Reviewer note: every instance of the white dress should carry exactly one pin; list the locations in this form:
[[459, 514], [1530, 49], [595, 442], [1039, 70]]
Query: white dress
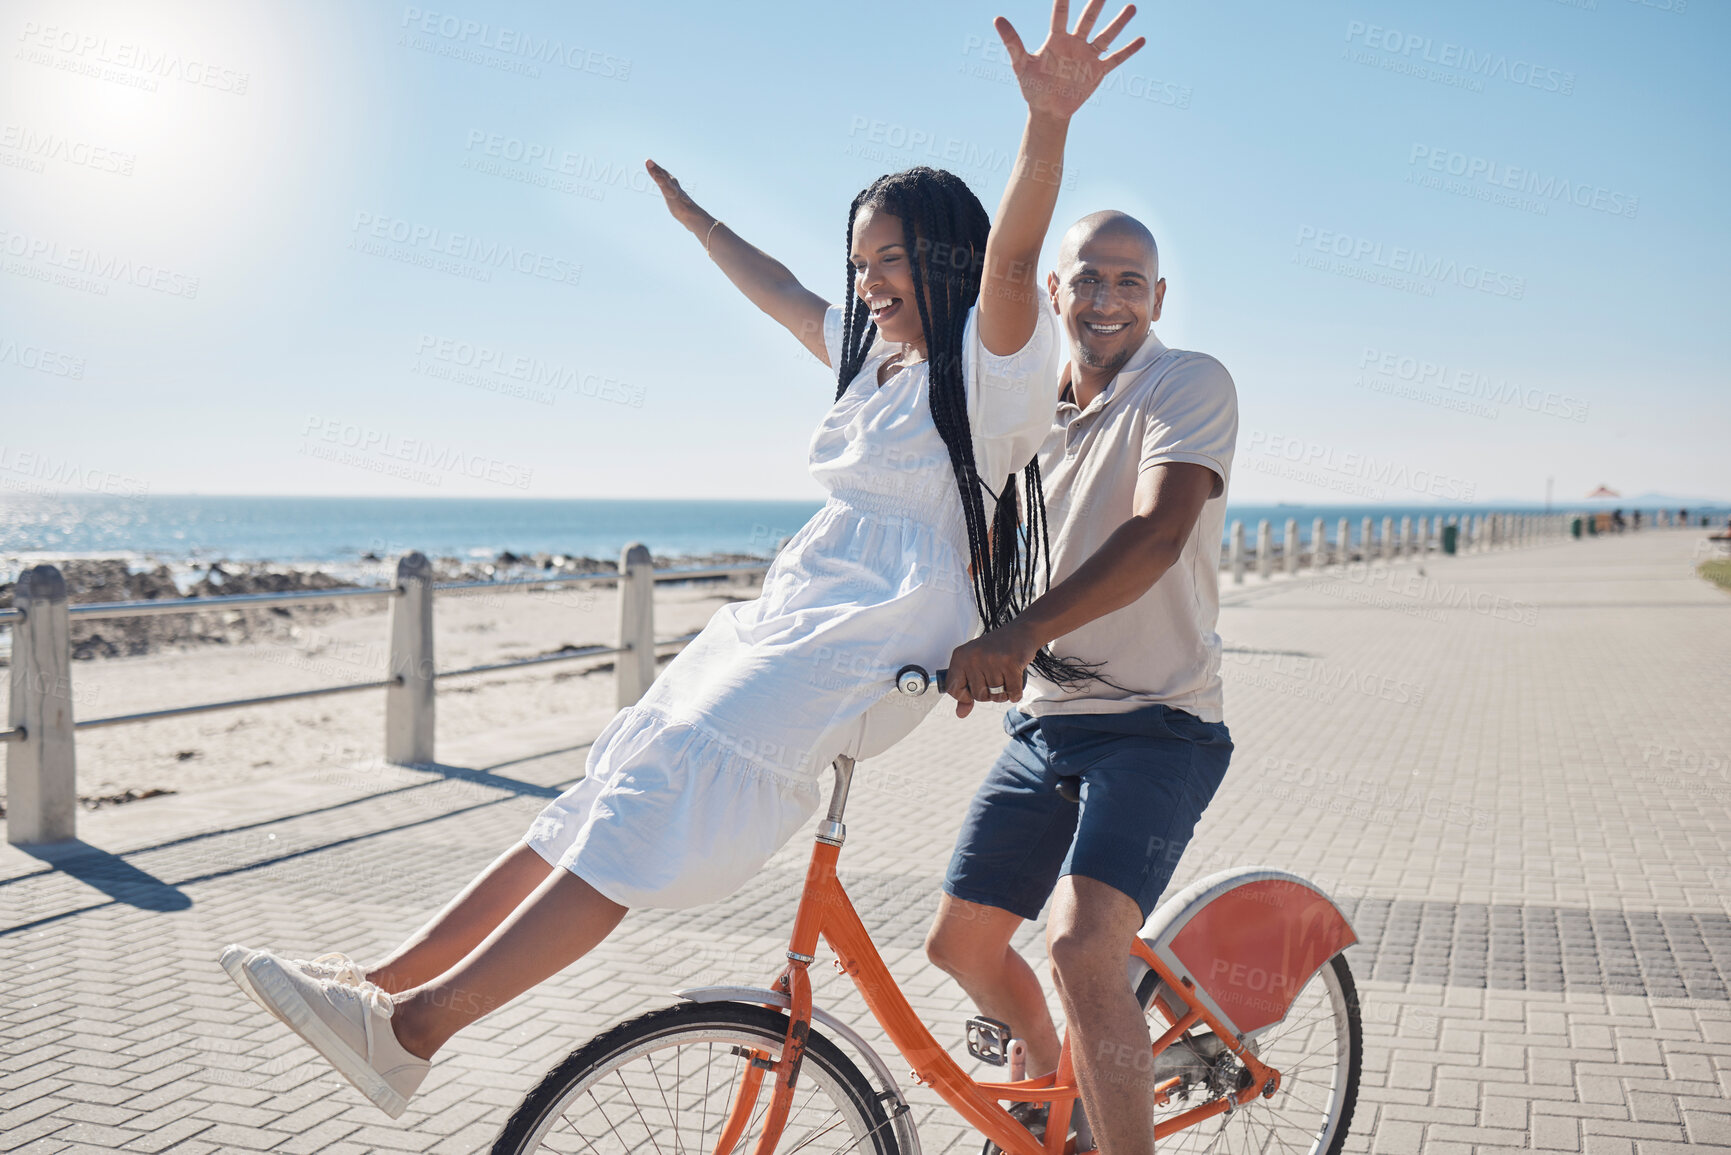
[[690, 791]]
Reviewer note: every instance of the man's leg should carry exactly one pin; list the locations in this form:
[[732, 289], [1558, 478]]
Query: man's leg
[[1088, 935], [971, 943], [1149, 775], [1011, 846], [560, 922], [466, 920]]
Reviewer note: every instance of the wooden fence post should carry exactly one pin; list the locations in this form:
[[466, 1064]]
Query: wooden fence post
[[1237, 554], [1318, 544], [1264, 549], [634, 668], [1343, 543], [1289, 546], [409, 728], [1365, 539], [42, 766], [1388, 537]]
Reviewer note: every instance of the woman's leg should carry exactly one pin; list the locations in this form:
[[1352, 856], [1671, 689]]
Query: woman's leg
[[466, 920], [560, 922]]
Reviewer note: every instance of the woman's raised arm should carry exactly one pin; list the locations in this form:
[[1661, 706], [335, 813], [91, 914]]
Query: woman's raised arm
[[1055, 82], [765, 281]]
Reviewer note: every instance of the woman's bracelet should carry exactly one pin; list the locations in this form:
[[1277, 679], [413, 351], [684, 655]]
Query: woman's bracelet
[[706, 239]]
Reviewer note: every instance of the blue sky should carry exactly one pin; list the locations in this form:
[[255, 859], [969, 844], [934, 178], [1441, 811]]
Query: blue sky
[[344, 248]]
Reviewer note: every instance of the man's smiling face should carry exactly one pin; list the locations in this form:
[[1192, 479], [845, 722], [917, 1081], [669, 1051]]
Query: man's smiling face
[[1107, 289]]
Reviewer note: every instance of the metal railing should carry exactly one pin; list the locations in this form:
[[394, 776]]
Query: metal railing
[[41, 762], [1392, 540]]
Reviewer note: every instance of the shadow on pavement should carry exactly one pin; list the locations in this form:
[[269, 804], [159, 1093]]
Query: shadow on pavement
[[129, 885], [486, 777], [111, 874]]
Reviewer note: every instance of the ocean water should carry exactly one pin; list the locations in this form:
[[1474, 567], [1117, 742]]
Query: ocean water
[[179, 529], [339, 529]]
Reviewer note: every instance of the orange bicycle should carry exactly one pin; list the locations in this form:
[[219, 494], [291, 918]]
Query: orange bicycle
[[1255, 1018]]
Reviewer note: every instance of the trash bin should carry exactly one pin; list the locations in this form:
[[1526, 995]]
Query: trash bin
[[1575, 528], [1450, 533]]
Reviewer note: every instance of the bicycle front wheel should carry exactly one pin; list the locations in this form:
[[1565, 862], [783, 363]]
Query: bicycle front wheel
[[1318, 1048], [690, 1078]]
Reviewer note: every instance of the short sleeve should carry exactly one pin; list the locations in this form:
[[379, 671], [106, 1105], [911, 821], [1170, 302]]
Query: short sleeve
[[1193, 416], [832, 326], [1012, 400]]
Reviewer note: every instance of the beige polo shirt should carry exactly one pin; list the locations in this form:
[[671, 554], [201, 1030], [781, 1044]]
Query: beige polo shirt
[[1164, 405]]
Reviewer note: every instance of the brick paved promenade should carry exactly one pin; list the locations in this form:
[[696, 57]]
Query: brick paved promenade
[[1514, 769]]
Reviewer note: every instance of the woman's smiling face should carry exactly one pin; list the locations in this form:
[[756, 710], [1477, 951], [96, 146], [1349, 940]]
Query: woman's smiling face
[[884, 276]]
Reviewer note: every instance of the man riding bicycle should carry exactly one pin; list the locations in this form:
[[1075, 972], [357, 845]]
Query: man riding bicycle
[[1136, 470]]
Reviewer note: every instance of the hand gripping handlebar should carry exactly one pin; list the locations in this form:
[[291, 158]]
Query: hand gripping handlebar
[[913, 681]]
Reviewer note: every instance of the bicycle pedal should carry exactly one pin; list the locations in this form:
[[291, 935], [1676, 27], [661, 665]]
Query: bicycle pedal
[[988, 1040]]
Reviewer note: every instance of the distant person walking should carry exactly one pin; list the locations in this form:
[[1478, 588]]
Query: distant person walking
[[946, 383]]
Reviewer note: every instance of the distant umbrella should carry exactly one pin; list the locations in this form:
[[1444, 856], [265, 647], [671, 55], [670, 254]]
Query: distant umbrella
[[1604, 491]]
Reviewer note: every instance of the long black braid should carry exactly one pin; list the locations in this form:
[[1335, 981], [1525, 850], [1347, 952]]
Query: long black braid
[[944, 231]]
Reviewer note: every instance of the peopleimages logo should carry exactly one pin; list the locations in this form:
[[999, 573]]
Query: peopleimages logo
[[952, 152], [1470, 383], [464, 35], [97, 265], [439, 242], [558, 162], [87, 54], [1402, 267], [63, 473], [418, 459], [1415, 51], [41, 359], [40, 146], [1367, 474], [535, 375], [1478, 170]]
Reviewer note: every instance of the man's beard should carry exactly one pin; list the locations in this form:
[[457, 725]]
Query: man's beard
[[1095, 361]]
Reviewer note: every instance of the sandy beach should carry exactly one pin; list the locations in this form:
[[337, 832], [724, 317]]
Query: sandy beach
[[323, 646]]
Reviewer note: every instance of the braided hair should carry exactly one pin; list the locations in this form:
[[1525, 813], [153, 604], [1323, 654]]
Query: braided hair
[[944, 230]]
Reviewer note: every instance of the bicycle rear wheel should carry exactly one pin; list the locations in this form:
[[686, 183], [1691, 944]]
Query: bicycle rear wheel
[[671, 1080], [1318, 1048]]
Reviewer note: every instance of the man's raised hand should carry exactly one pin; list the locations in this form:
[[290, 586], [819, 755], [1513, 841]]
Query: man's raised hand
[[1060, 77]]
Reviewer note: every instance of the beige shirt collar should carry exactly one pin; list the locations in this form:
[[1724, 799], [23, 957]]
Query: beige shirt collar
[[1145, 355]]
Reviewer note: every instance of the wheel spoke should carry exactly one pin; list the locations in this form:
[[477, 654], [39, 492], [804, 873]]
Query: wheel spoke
[[707, 1069], [640, 1116], [672, 1115]]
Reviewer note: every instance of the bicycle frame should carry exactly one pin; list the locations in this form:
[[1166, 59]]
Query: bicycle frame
[[826, 912]]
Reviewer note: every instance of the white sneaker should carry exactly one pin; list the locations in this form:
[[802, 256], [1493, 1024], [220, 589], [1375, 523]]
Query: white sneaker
[[333, 967], [349, 1025]]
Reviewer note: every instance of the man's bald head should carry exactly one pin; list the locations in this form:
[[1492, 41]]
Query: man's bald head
[[1107, 289], [1112, 229]]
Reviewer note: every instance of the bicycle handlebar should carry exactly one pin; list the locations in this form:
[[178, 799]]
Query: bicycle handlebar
[[913, 680]]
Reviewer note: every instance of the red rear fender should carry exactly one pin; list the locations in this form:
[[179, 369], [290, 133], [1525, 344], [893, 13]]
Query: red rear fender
[[1249, 938]]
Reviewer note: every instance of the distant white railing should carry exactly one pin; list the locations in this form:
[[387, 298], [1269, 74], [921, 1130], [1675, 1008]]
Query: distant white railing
[[1468, 533], [41, 755]]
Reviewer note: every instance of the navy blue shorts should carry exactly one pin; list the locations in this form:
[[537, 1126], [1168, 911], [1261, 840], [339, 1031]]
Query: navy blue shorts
[[1147, 775]]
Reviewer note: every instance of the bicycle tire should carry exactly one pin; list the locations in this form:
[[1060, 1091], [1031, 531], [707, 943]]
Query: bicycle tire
[[1328, 1135], [824, 1069]]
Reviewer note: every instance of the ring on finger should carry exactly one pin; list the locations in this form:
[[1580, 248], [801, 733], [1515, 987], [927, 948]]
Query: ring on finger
[[994, 689]]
